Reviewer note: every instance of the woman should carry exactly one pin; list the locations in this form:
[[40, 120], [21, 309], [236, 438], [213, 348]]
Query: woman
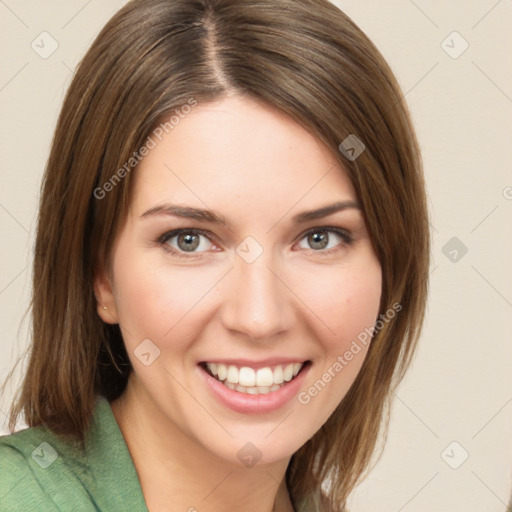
[[230, 265]]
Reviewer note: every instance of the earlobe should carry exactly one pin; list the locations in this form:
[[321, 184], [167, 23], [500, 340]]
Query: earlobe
[[105, 300]]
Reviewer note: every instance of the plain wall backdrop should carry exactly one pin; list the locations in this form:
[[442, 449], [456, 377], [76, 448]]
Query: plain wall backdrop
[[450, 445]]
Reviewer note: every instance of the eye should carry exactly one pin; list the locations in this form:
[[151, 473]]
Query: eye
[[186, 241], [324, 239], [194, 242]]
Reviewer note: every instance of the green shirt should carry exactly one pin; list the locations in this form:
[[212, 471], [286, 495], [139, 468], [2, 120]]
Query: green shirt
[[42, 472]]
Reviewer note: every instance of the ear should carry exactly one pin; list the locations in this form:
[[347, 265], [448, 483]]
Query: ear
[[105, 300]]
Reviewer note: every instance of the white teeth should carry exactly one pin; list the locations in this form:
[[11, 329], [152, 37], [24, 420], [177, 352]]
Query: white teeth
[[254, 382], [247, 376], [259, 390], [278, 375], [222, 372], [288, 372], [264, 377], [232, 375]]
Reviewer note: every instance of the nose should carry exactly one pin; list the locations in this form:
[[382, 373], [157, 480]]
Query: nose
[[258, 302]]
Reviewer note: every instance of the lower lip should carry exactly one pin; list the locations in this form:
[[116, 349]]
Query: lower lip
[[255, 404]]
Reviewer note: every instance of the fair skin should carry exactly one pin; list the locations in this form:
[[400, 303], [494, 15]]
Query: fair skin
[[303, 300]]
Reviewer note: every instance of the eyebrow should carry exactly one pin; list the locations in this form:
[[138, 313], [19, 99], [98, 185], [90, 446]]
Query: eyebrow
[[188, 212]]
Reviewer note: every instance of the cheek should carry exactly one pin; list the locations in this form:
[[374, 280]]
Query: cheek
[[152, 301], [348, 308], [344, 299], [359, 301]]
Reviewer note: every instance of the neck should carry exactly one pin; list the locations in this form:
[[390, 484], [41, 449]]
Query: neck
[[175, 469]]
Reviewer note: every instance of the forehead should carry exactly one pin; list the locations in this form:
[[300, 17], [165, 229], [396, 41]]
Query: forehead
[[239, 156]]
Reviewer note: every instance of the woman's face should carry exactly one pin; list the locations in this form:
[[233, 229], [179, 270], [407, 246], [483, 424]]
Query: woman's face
[[219, 316]]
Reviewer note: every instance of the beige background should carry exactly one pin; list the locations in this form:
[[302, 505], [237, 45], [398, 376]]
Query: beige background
[[460, 387]]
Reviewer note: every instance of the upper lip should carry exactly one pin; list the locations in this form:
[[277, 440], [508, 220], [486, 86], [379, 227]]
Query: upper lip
[[251, 363]]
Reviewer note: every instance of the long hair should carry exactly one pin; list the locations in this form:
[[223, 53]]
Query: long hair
[[304, 57]]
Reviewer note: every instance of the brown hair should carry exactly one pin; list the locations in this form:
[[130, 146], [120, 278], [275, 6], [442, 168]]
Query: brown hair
[[304, 57]]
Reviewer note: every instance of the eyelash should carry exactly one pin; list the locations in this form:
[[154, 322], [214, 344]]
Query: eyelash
[[164, 239]]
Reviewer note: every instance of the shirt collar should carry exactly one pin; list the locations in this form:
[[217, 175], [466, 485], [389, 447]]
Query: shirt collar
[[117, 485]]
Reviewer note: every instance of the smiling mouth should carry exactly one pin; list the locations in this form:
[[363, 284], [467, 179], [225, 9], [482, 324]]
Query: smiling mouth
[[248, 380]]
